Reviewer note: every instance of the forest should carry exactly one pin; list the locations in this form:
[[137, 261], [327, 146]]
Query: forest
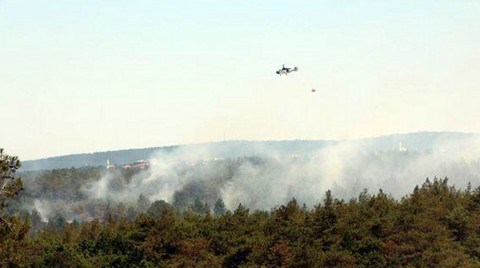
[[239, 133], [435, 225]]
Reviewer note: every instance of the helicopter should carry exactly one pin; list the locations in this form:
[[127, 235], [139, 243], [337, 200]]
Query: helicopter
[[285, 70]]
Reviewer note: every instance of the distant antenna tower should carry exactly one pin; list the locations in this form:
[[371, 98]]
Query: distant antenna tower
[[109, 166], [401, 148]]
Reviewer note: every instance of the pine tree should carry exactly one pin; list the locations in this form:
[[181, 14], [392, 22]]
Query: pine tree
[[200, 207], [143, 203], [10, 186], [219, 207], [159, 209], [36, 220]]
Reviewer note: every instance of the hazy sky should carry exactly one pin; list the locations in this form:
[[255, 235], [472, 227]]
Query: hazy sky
[[85, 76]]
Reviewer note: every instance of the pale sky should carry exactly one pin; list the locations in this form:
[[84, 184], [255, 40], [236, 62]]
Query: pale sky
[[90, 75]]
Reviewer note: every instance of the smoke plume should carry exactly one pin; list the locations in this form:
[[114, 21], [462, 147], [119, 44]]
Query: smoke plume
[[267, 178]]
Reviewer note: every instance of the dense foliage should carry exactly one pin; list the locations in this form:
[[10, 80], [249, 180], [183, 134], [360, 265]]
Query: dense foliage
[[434, 226], [10, 186], [93, 192]]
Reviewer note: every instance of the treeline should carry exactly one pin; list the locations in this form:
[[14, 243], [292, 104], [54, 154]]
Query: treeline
[[70, 193], [436, 225]]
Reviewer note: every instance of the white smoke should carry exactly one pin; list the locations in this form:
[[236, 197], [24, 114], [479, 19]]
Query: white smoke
[[160, 182], [43, 208], [345, 167], [349, 167]]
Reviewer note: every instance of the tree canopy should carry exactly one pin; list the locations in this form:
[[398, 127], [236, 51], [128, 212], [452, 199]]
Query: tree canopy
[[436, 225]]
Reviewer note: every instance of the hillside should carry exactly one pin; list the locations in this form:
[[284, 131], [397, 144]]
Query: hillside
[[417, 142]]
